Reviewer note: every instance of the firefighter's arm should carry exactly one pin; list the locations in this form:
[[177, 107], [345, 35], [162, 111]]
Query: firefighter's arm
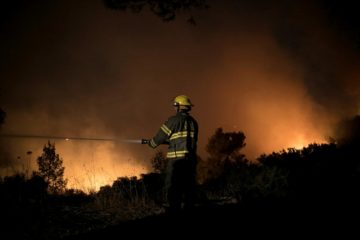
[[162, 136]]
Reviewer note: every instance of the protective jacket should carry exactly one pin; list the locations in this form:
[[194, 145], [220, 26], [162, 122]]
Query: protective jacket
[[181, 133]]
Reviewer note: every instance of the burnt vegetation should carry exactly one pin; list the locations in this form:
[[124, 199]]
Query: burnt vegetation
[[318, 179]]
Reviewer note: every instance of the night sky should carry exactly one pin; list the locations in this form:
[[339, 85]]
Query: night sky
[[283, 72]]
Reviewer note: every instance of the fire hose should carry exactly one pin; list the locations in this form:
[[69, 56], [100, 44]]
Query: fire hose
[[137, 141]]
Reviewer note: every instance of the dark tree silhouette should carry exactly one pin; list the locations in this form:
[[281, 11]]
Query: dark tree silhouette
[[51, 169], [159, 162], [319, 173], [223, 169], [165, 9], [226, 145]]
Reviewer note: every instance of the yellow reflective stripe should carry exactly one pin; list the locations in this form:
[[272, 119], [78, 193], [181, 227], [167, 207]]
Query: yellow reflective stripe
[[166, 130], [181, 134], [152, 143], [177, 154]]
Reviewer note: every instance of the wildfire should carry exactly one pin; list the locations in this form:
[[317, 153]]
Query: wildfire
[[301, 141], [92, 178], [89, 166]]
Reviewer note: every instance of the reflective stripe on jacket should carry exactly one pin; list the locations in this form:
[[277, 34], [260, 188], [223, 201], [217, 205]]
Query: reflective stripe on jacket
[[181, 133]]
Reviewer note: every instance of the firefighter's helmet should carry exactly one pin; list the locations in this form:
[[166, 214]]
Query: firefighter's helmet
[[182, 100]]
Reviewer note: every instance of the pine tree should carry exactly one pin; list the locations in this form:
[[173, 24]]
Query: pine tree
[[51, 169]]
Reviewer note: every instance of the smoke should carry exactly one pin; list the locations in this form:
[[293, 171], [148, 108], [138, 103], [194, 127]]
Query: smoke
[[277, 72]]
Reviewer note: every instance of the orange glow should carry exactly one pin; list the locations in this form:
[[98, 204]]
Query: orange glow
[[88, 166], [241, 75], [91, 178], [265, 96], [298, 143], [301, 141]]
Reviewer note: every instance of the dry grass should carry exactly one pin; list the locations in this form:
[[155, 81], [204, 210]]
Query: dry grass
[[74, 212]]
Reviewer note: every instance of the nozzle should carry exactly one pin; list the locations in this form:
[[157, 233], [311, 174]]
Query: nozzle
[[145, 141]]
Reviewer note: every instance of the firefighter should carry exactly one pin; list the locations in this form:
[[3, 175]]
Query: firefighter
[[180, 132]]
